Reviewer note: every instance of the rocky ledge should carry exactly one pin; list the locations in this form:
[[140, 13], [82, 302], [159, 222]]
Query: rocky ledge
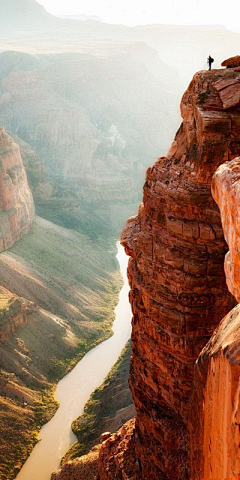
[[14, 313], [16, 203], [179, 293]]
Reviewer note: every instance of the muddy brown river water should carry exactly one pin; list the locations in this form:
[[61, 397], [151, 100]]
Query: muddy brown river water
[[74, 390]]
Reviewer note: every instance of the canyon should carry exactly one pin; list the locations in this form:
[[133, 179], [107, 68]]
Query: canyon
[[82, 135], [74, 389], [80, 115], [71, 89], [58, 291], [34, 30], [184, 377], [69, 100]]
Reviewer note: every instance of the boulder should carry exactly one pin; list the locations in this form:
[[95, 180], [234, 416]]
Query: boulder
[[231, 62]]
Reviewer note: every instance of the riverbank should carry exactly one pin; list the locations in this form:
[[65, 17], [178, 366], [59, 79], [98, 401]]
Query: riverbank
[[74, 285], [108, 408], [74, 389], [20, 422]]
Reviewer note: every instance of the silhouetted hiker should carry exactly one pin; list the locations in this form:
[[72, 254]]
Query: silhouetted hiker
[[210, 60]]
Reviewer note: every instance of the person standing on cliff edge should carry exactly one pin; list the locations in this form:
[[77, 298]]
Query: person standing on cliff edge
[[210, 60]]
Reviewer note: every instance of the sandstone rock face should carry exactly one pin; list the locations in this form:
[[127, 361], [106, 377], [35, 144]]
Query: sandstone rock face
[[215, 414], [226, 192], [178, 289], [231, 62], [16, 203], [117, 459], [229, 91], [14, 313]]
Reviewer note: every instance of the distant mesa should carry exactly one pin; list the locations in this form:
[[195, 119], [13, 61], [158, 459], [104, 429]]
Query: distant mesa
[[81, 17], [231, 62], [25, 15]]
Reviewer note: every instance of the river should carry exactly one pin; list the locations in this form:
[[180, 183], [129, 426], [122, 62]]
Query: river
[[74, 390]]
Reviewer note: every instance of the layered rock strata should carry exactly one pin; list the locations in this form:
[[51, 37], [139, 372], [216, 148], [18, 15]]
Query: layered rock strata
[[16, 203], [215, 414], [178, 289]]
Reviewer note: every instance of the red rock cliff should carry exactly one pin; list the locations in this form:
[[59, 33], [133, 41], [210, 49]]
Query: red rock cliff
[[226, 191], [215, 405], [178, 289], [16, 203]]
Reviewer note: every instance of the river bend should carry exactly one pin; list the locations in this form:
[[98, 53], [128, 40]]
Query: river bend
[[75, 388]]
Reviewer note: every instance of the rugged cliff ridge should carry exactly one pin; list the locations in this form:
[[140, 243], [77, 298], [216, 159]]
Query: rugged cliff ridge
[[16, 203], [178, 289]]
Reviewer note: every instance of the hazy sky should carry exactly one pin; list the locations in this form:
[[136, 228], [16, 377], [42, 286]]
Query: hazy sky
[[133, 12]]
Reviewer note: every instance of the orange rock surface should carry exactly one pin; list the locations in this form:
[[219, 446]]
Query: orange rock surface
[[226, 192], [117, 459], [231, 62], [215, 410], [214, 418], [16, 203], [178, 289]]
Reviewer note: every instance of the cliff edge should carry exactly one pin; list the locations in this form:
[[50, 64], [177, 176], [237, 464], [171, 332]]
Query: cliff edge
[[178, 289]]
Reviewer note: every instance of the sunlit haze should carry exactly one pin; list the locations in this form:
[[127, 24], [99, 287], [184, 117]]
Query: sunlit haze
[[149, 11]]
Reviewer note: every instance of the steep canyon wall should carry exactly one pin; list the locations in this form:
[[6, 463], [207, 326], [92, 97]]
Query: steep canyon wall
[[178, 288], [214, 414], [16, 203]]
